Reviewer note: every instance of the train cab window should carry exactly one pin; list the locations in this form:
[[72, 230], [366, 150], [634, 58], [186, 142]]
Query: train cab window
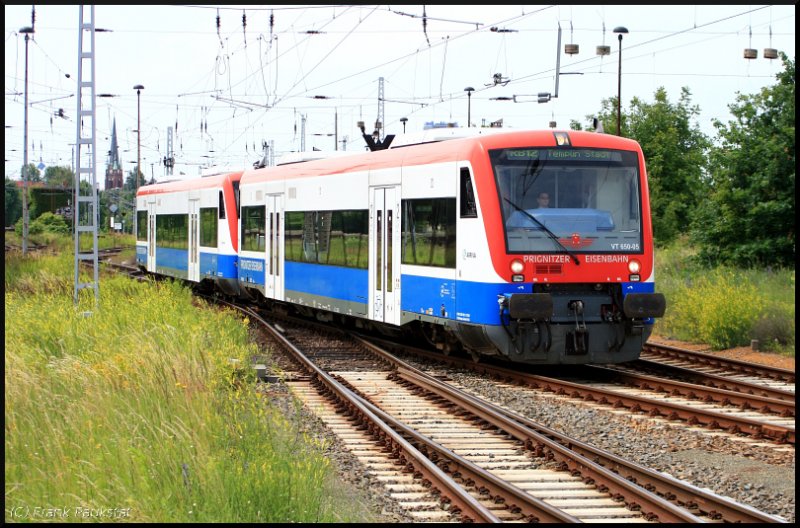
[[221, 206], [141, 226], [429, 232], [253, 228], [592, 197], [469, 207], [208, 226]]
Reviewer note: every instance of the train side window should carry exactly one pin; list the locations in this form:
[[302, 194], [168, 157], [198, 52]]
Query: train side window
[[336, 238], [221, 206], [172, 231], [469, 207], [429, 232], [253, 228], [141, 225], [208, 226]]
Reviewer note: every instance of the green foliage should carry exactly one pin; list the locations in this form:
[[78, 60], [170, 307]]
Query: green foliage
[[56, 176], [124, 200], [53, 223], [46, 223], [33, 173], [724, 306], [675, 152], [719, 308], [130, 180], [749, 216], [13, 211], [47, 199], [139, 407]]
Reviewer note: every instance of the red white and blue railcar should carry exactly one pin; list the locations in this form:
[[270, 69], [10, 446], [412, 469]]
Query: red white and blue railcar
[[445, 238], [189, 230]]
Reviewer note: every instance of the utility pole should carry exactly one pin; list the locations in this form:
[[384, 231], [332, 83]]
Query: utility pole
[[27, 31], [85, 211]]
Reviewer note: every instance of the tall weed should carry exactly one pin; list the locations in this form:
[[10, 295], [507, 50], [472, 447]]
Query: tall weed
[[138, 411], [725, 307]]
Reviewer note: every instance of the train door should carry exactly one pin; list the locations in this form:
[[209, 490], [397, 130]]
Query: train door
[[151, 235], [194, 245], [273, 277], [384, 262]]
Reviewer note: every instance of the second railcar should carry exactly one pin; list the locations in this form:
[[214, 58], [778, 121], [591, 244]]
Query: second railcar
[[189, 230]]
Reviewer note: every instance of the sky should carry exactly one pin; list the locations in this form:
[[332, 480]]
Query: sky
[[301, 77]]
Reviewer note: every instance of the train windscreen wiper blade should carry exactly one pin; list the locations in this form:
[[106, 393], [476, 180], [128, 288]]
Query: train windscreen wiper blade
[[550, 233]]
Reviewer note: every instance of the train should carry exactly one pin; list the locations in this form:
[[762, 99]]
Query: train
[[534, 246]]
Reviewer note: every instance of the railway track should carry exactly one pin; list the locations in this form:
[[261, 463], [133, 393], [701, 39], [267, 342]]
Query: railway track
[[709, 364], [500, 459], [419, 489], [692, 405]]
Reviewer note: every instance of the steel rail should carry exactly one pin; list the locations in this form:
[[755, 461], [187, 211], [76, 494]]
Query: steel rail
[[668, 410], [634, 496], [720, 362], [534, 509], [704, 392], [465, 503], [715, 380], [682, 493]]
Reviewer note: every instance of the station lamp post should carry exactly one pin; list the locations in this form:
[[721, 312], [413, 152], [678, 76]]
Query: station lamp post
[[469, 90], [27, 31], [620, 30], [138, 89]]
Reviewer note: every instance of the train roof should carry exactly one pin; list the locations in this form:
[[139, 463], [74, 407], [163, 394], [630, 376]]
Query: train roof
[[204, 182], [434, 146]]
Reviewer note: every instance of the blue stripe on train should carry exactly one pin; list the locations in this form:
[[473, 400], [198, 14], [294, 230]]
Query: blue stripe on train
[[211, 264], [177, 259], [251, 270], [336, 282], [219, 266], [141, 255], [473, 302]]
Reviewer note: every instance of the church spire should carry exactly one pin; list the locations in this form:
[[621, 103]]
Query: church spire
[[113, 161], [114, 167]]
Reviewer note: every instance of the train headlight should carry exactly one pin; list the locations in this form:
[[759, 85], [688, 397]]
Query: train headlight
[[516, 269], [634, 267]]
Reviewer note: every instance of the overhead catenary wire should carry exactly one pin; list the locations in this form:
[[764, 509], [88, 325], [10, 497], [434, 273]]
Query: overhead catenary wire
[[234, 78]]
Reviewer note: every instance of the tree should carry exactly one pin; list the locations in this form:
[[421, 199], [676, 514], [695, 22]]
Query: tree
[[33, 174], [749, 216], [63, 177], [13, 210], [675, 152], [130, 181]]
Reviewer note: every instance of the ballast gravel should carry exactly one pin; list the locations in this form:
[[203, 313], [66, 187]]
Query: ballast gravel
[[751, 474]]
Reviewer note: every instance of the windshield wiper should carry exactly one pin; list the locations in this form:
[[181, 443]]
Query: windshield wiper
[[550, 233]]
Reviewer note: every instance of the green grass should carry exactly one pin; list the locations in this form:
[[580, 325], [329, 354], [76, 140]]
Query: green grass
[[136, 411], [725, 307]]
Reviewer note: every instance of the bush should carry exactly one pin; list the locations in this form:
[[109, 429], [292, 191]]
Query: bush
[[45, 223], [775, 329], [718, 308]]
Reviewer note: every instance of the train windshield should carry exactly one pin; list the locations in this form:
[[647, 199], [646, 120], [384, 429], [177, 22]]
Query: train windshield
[[571, 200]]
